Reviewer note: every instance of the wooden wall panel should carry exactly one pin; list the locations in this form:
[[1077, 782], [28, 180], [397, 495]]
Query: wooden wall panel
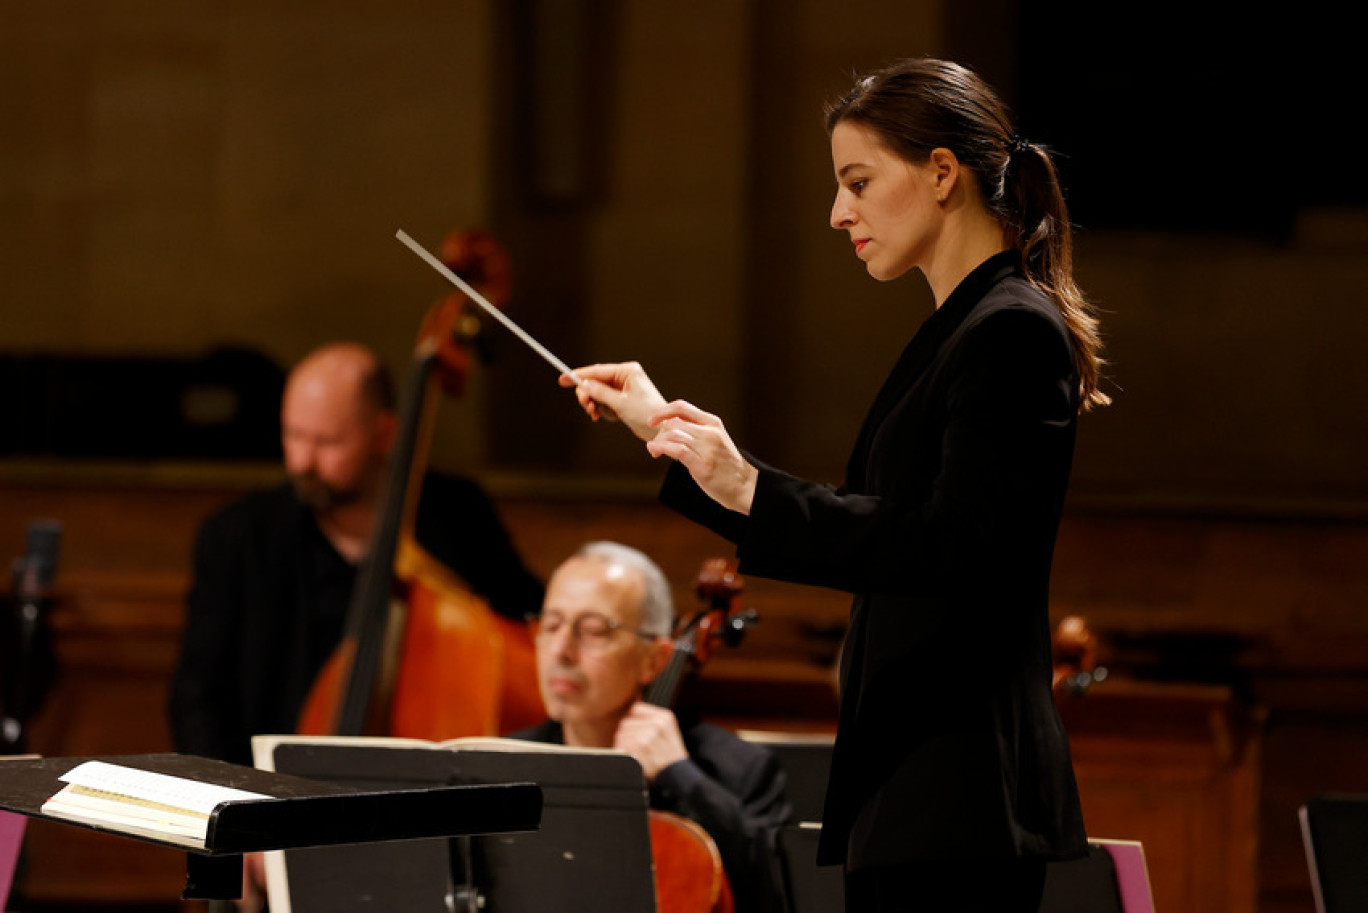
[[1177, 768], [1207, 774]]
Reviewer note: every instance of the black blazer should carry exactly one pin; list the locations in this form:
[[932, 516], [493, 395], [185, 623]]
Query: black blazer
[[949, 744], [269, 598]]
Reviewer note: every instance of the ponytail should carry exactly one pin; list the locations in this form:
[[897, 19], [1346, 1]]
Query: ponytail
[[922, 104], [1032, 207]]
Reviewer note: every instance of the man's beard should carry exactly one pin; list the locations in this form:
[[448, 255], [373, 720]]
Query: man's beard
[[318, 495]]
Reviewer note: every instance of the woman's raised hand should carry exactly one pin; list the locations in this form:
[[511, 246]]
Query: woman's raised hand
[[680, 430], [700, 441], [618, 393]]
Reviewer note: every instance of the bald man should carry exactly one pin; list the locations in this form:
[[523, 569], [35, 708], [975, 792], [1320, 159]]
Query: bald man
[[603, 636], [274, 571]]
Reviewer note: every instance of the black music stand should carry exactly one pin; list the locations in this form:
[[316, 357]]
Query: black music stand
[[300, 812], [591, 853]]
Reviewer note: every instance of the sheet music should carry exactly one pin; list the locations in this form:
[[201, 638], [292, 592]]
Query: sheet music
[[177, 792]]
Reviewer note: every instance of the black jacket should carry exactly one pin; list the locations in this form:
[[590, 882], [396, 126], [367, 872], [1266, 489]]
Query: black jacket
[[268, 602], [949, 744]]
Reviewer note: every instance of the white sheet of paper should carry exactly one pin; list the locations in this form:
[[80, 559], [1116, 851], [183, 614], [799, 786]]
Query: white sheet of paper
[[154, 787]]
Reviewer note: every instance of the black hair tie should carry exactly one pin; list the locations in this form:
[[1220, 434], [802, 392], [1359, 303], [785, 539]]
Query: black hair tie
[[1017, 145]]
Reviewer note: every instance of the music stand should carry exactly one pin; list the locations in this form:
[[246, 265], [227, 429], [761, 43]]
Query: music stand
[[299, 812], [592, 852]]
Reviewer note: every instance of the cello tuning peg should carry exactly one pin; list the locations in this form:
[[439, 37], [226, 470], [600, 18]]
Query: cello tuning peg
[[736, 626]]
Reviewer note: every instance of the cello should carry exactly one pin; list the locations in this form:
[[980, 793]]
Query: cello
[[1073, 653], [689, 876], [422, 656]]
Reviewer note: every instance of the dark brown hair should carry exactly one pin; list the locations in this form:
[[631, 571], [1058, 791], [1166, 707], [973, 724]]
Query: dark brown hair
[[921, 104]]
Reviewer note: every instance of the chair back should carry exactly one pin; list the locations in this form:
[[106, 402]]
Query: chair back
[[808, 887], [806, 760], [1335, 836], [11, 839], [1112, 878], [1132, 875]]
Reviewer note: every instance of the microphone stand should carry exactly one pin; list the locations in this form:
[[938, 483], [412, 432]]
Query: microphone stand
[[26, 656]]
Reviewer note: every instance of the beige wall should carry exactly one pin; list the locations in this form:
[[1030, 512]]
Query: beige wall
[[667, 252], [176, 175], [1240, 366]]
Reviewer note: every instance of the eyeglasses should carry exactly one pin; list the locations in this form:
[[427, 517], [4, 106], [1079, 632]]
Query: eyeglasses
[[592, 630]]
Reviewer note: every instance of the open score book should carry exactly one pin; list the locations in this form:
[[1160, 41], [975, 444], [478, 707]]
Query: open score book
[[139, 801]]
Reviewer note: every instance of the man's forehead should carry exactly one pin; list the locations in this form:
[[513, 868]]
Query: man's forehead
[[583, 585], [315, 402]]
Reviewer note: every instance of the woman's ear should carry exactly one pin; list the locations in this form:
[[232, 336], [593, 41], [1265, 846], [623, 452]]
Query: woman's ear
[[945, 171]]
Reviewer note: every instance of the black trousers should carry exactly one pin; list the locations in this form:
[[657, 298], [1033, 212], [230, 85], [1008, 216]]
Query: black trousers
[[951, 886]]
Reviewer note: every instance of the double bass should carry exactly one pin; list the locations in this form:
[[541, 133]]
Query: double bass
[[689, 876], [422, 656]]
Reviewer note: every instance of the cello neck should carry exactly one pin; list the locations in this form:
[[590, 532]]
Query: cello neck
[[719, 587], [663, 690]]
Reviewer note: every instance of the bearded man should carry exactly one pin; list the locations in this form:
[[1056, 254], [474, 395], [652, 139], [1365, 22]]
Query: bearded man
[[274, 571]]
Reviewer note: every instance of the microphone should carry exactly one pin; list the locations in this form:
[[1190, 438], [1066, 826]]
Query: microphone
[[28, 661]]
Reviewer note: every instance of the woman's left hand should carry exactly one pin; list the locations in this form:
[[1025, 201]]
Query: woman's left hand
[[699, 440]]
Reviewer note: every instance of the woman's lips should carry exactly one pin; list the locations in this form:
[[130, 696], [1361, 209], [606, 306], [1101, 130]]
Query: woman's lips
[[860, 245]]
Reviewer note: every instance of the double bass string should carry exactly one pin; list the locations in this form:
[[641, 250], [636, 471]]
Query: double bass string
[[489, 308]]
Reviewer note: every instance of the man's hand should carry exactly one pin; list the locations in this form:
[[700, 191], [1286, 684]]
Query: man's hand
[[651, 735]]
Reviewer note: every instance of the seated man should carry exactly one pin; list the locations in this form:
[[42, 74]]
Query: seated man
[[274, 571], [603, 636]]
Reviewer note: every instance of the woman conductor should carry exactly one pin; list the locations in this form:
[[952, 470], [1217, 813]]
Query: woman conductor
[[950, 787]]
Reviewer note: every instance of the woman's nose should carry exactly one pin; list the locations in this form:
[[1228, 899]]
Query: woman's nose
[[841, 215]]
